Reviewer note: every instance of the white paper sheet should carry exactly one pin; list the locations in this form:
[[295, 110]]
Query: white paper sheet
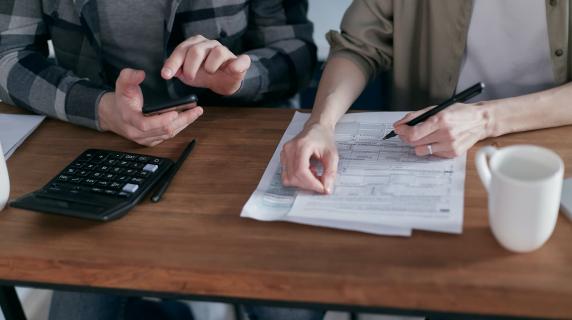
[[381, 188], [15, 128]]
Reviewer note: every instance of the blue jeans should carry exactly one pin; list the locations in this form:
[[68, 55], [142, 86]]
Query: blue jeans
[[93, 306]]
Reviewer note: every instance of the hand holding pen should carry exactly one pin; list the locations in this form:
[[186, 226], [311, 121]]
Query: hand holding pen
[[446, 130]]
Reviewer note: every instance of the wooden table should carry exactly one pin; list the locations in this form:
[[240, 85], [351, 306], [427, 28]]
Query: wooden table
[[194, 245]]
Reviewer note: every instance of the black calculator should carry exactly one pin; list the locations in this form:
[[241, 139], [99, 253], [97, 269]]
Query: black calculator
[[98, 185]]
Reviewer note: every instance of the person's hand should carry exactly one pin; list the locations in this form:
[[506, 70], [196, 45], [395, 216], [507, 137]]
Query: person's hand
[[121, 113], [450, 133], [204, 63], [315, 142]]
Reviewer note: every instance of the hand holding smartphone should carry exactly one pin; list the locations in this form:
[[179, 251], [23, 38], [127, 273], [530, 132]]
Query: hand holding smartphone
[[162, 105]]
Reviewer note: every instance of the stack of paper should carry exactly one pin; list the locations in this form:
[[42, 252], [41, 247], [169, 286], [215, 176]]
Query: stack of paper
[[382, 187], [14, 129]]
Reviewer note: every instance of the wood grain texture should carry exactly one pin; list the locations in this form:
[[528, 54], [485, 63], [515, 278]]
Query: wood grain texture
[[194, 242]]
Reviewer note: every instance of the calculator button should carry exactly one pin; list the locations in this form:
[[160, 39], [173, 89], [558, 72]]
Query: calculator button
[[97, 190], [123, 178], [87, 156], [124, 194], [103, 168], [130, 171], [99, 157], [117, 170], [110, 162], [55, 187], [150, 167], [90, 166], [71, 171], [116, 156], [103, 183], [83, 173], [115, 185], [97, 175], [131, 188], [78, 164], [89, 181], [108, 176], [123, 163], [143, 159], [76, 180], [137, 165], [130, 157], [110, 192], [144, 174], [63, 178], [137, 180]]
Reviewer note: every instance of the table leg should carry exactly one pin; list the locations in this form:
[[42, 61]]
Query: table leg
[[10, 303]]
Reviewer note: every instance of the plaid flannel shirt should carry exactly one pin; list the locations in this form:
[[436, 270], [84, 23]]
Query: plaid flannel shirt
[[275, 33]]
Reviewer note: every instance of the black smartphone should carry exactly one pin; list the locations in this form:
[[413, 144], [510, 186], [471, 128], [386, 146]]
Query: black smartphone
[[153, 106]]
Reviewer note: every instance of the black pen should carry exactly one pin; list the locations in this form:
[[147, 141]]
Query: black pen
[[164, 183], [460, 97]]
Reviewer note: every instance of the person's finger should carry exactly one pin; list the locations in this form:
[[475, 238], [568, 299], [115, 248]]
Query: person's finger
[[438, 147], [412, 115], [170, 128], [186, 118], [436, 136], [302, 176], [330, 162], [196, 55], [411, 134], [127, 82], [150, 142], [239, 65], [216, 58], [177, 58], [155, 125], [460, 146]]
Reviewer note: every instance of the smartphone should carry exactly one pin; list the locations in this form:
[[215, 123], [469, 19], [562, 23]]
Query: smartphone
[[155, 106]]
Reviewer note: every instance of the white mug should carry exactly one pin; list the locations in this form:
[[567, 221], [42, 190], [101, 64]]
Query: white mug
[[524, 184], [4, 181]]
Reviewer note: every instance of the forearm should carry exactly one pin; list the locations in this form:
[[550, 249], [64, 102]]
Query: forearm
[[545, 109], [63, 95], [342, 82]]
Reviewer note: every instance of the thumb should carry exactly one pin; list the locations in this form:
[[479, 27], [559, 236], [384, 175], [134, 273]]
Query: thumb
[[128, 82], [239, 65], [330, 162]]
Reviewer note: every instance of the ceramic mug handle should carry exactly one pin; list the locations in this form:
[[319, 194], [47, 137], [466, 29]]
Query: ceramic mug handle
[[482, 164]]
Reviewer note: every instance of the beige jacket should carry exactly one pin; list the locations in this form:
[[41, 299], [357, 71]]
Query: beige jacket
[[422, 43]]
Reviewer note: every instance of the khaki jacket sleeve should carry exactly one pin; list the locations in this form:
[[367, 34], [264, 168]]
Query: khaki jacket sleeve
[[366, 36]]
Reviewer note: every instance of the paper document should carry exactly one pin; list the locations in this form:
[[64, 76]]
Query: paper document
[[15, 128], [382, 187]]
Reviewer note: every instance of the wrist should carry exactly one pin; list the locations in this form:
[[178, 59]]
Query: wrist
[[104, 108], [328, 125], [489, 116]]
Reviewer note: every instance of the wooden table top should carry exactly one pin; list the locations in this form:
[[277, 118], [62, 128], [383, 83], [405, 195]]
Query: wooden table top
[[194, 242]]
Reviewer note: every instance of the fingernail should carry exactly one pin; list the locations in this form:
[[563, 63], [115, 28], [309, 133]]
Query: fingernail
[[168, 73], [328, 188]]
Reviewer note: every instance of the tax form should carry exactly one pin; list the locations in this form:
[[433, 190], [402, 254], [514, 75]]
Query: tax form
[[382, 187]]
